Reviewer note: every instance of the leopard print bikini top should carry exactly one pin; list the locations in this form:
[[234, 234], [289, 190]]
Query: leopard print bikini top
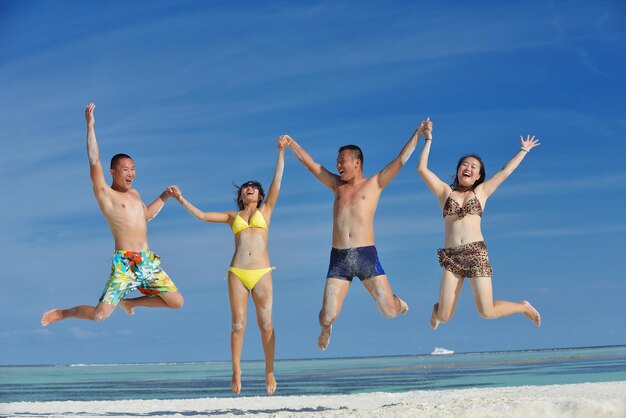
[[471, 207]]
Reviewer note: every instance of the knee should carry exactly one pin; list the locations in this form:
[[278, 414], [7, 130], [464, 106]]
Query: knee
[[326, 318], [389, 311], [101, 315], [444, 316], [238, 326], [389, 308], [487, 313], [264, 317], [267, 326], [177, 303]]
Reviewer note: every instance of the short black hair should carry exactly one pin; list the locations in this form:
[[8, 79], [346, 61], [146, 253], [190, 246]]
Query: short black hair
[[118, 157], [355, 152], [253, 183]]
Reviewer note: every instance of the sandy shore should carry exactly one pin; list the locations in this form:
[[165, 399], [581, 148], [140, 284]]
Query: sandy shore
[[577, 400]]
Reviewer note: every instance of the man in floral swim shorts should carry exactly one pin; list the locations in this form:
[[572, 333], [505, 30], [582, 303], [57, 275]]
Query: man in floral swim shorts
[[136, 270], [134, 265]]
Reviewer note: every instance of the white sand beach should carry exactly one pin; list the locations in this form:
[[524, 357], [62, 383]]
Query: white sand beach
[[576, 400]]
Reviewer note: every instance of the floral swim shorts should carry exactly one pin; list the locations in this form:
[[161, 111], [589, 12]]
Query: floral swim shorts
[[136, 270]]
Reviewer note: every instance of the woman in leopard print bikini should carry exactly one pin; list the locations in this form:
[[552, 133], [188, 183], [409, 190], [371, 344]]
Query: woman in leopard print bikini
[[464, 253]]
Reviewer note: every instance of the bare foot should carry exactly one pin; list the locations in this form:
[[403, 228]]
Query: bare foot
[[50, 317], [235, 383], [270, 383], [532, 313], [128, 308], [324, 339], [434, 322], [404, 308]]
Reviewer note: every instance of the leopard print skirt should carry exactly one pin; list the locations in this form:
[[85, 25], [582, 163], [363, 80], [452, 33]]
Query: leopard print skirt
[[469, 260]]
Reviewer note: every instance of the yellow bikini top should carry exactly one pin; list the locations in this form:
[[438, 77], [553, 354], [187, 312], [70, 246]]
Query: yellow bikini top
[[256, 221]]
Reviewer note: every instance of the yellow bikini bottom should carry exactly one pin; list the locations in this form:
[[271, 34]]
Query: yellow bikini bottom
[[250, 277]]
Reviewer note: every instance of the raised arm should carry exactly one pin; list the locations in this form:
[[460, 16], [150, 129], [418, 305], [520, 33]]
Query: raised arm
[[490, 186], [221, 217], [100, 187], [326, 177], [272, 194], [434, 183], [391, 170]]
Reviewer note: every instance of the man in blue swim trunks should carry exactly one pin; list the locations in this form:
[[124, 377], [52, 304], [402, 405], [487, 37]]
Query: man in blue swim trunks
[[134, 265], [354, 252]]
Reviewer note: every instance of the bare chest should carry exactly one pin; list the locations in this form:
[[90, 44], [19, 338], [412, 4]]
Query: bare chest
[[127, 207], [354, 198], [349, 195]]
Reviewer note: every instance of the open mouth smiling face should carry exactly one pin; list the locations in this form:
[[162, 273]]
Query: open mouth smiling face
[[250, 192], [345, 165], [469, 171], [124, 173]]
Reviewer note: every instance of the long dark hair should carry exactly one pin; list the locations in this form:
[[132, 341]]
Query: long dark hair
[[247, 183], [455, 184]]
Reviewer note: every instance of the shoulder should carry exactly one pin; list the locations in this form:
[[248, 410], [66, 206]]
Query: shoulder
[[371, 181], [479, 192], [444, 194], [445, 190], [134, 193], [103, 188], [265, 211]]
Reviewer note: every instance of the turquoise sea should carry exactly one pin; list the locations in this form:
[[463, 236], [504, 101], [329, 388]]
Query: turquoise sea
[[315, 376]]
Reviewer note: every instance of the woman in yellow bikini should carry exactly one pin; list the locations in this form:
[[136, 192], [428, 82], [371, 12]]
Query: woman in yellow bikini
[[250, 270], [465, 253]]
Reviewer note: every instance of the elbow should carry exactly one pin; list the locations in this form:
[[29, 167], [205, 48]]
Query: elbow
[[94, 158], [507, 173]]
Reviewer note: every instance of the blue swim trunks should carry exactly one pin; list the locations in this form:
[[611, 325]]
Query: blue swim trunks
[[361, 262]]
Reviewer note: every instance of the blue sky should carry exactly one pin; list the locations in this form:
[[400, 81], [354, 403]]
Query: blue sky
[[199, 91]]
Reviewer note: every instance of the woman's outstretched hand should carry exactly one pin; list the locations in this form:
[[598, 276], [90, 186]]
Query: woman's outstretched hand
[[530, 142]]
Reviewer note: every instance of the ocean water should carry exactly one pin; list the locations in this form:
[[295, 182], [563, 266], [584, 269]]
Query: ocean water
[[315, 376]]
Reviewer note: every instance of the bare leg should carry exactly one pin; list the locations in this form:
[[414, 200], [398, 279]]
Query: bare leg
[[388, 304], [172, 300], [449, 292], [334, 294], [238, 295], [98, 313], [488, 309], [262, 295]]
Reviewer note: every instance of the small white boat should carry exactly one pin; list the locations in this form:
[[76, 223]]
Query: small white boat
[[440, 351]]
